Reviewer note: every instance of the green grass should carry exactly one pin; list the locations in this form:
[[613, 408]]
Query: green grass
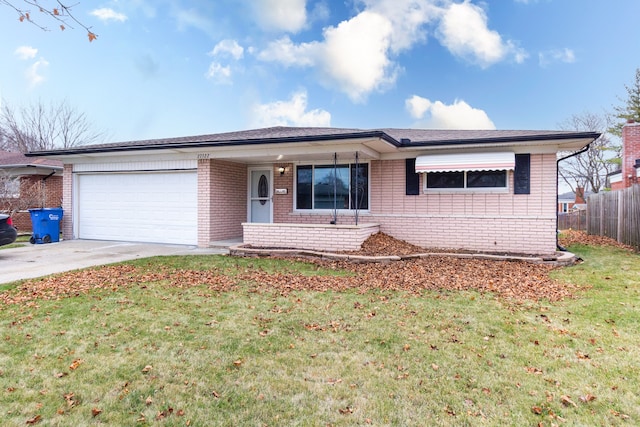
[[21, 240], [155, 354]]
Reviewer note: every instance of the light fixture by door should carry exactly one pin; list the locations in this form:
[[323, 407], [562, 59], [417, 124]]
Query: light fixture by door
[[281, 170]]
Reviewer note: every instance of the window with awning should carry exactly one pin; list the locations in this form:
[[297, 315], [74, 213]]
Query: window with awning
[[466, 171], [466, 162]]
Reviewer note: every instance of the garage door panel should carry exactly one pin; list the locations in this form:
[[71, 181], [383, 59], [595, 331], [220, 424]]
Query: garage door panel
[[141, 207]]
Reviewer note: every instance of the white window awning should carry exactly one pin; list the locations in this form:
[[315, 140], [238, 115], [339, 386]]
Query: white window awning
[[465, 162]]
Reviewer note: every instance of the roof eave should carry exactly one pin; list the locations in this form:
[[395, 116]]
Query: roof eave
[[586, 136], [208, 144]]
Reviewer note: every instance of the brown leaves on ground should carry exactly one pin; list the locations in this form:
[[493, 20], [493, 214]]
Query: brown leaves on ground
[[517, 280], [510, 279], [576, 237], [381, 244]]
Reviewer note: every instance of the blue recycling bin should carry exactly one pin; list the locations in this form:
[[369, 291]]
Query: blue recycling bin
[[46, 225]]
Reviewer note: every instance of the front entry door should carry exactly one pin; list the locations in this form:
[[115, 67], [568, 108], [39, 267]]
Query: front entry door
[[260, 197]]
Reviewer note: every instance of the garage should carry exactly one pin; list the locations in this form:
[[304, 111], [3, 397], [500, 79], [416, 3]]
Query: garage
[[152, 207]]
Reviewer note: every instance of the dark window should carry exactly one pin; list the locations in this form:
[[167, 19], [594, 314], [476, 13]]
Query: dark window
[[521, 174], [445, 180], [469, 179], [304, 179], [412, 180], [359, 186], [327, 186], [486, 179]]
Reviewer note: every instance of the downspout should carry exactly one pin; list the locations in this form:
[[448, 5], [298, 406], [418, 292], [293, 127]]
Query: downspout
[[586, 147], [44, 184]]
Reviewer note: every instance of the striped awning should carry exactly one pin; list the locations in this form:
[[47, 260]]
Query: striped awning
[[465, 162]]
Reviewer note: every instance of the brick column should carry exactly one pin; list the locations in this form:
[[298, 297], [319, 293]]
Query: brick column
[[204, 203], [67, 203], [630, 152]]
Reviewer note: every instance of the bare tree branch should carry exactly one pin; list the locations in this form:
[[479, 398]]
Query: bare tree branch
[[40, 127], [15, 198], [589, 170], [59, 12]]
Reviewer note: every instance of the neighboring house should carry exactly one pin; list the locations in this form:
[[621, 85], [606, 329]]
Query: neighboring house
[[570, 201], [321, 188], [630, 172], [28, 183]]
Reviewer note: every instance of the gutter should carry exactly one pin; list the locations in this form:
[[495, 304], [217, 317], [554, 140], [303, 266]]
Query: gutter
[[586, 148], [147, 145], [48, 176]]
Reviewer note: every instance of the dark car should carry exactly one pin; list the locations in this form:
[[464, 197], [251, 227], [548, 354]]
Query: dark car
[[8, 233]]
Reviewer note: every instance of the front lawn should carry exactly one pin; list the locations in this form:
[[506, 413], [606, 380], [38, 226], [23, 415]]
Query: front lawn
[[147, 342]]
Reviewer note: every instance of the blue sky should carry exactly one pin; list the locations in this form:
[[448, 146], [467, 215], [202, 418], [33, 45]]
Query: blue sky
[[167, 68]]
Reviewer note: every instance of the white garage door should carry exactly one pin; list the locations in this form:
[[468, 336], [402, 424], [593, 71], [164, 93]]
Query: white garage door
[[155, 207]]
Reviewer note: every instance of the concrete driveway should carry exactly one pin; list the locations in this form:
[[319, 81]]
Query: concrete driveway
[[41, 260]]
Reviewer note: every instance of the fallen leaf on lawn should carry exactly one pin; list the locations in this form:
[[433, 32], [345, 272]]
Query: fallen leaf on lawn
[[95, 412], [434, 367], [147, 369], [536, 410], [587, 398], [34, 420], [74, 365], [566, 401], [237, 362], [148, 401], [347, 410], [215, 394], [70, 398]]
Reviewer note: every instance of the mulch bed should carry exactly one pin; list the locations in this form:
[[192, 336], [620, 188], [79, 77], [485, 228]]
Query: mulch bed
[[515, 280]]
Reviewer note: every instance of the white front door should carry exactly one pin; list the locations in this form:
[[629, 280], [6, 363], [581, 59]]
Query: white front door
[[260, 195]]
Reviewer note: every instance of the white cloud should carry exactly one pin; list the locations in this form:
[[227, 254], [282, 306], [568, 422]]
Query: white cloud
[[289, 113], [106, 14], [355, 55], [26, 52], [281, 15], [458, 115], [289, 54], [408, 19], [565, 55], [34, 73], [218, 73], [464, 31], [417, 106], [228, 47]]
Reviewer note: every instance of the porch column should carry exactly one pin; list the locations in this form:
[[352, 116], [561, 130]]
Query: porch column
[[67, 203], [204, 202]]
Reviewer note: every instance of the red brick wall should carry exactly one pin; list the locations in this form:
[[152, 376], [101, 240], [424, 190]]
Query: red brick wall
[[53, 198], [283, 203], [630, 152], [228, 199]]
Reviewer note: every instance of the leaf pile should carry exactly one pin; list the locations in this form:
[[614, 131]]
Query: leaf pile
[[381, 244], [510, 279], [576, 237]]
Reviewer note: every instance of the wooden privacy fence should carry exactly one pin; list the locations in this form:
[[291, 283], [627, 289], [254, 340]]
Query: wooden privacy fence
[[573, 220], [616, 214]]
